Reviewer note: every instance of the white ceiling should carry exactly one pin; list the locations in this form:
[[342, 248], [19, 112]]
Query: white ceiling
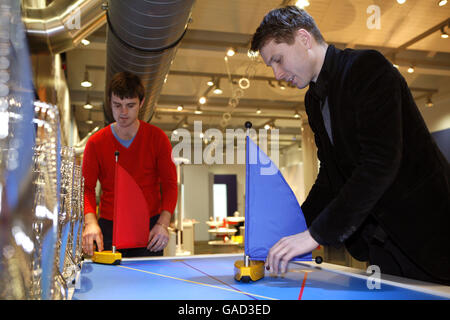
[[218, 24]]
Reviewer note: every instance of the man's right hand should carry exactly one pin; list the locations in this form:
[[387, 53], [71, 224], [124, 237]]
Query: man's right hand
[[91, 233]]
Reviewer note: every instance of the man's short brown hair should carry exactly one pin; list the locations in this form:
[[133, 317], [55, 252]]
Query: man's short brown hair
[[126, 85], [280, 25]]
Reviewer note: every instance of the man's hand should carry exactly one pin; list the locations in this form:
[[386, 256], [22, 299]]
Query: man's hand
[[91, 233], [159, 235], [288, 248]]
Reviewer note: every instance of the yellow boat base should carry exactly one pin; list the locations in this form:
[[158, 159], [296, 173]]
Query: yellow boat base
[[107, 257], [253, 272]]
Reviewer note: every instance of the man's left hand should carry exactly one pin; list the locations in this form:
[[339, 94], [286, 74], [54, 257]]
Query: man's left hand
[[158, 238], [159, 234]]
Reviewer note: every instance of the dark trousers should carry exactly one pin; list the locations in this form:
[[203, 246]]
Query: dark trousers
[[384, 253], [107, 230]]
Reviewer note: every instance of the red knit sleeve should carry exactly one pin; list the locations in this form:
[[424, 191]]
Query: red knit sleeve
[[90, 169], [167, 174]]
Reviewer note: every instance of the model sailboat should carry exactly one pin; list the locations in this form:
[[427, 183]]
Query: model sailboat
[[271, 213]]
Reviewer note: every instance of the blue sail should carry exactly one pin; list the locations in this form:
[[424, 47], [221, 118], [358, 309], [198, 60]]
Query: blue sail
[[271, 208]]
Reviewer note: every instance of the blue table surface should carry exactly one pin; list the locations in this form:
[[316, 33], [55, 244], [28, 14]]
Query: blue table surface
[[212, 278]]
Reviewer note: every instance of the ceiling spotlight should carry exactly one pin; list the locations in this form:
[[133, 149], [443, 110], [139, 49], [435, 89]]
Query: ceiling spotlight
[[429, 103], [231, 52], [252, 54], [394, 62], [85, 42], [198, 111], [302, 4], [296, 114], [217, 90], [444, 35], [442, 3], [411, 69], [269, 125], [202, 100], [210, 83], [401, 1], [258, 111], [88, 105], [89, 119], [180, 108], [86, 83]]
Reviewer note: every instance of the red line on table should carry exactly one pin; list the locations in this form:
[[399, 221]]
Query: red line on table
[[303, 286]]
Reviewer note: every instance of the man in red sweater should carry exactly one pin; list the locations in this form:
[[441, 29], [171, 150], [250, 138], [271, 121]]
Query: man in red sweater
[[145, 153]]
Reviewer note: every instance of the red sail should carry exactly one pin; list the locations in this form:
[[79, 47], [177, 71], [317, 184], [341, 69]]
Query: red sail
[[131, 215]]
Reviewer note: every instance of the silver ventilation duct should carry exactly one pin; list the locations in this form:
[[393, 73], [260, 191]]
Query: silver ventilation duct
[[142, 38], [61, 25]]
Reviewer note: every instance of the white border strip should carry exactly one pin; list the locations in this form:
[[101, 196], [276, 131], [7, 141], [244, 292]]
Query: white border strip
[[410, 284]]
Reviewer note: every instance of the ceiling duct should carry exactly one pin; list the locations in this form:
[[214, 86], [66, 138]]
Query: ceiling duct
[[62, 24], [142, 38]]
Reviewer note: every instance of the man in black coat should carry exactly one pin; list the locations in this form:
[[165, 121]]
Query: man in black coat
[[383, 187]]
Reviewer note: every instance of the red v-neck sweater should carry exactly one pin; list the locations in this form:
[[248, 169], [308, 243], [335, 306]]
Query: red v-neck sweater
[[148, 160]]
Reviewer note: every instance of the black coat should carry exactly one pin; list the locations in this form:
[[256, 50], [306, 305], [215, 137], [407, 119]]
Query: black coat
[[383, 162]]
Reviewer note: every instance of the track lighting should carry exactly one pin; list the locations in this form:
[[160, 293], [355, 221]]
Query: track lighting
[[89, 119], [88, 105], [198, 111], [86, 83], [217, 90]]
